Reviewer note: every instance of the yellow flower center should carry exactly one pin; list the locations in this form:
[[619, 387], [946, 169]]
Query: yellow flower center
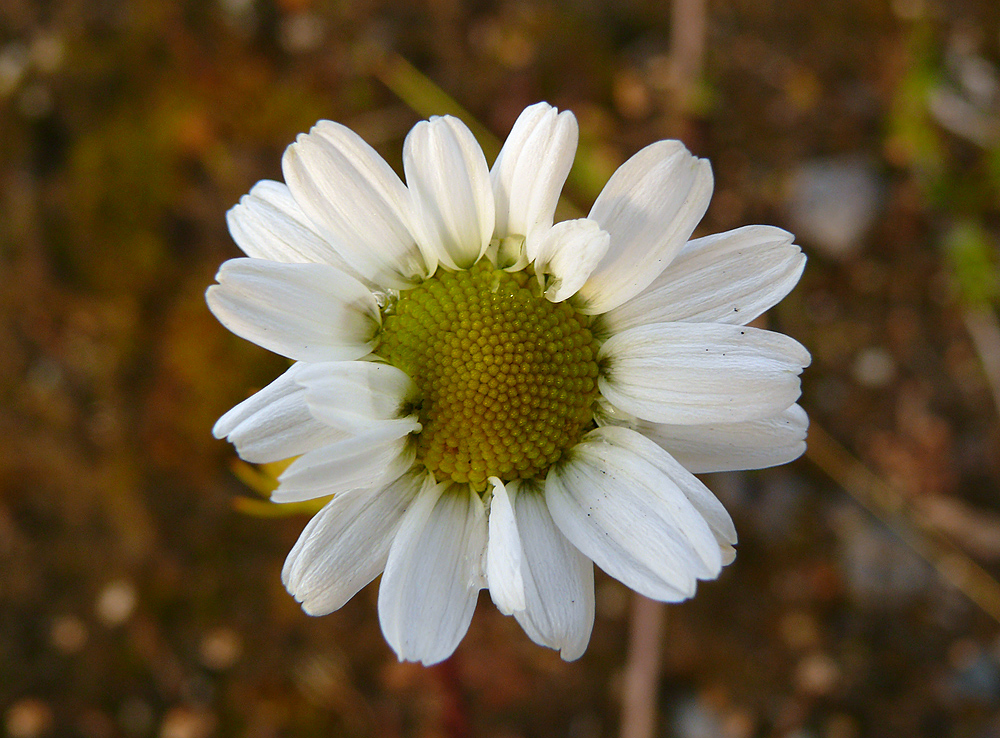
[[507, 379]]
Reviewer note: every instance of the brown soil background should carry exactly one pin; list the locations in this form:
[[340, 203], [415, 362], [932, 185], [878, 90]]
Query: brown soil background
[[135, 600]]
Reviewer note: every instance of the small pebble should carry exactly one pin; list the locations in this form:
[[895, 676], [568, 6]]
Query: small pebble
[[28, 718], [833, 202], [696, 718], [220, 648], [817, 674], [187, 722], [47, 53], [301, 32], [68, 634], [13, 65], [115, 603], [874, 368]]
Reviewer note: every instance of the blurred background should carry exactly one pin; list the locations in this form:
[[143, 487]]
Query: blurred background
[[139, 573]]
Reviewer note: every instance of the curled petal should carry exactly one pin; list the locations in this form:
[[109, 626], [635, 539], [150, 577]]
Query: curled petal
[[700, 497], [530, 171], [370, 459], [450, 184], [351, 395], [568, 253], [752, 444]]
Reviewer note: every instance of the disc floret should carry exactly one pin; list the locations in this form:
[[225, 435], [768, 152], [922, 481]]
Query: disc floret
[[507, 378]]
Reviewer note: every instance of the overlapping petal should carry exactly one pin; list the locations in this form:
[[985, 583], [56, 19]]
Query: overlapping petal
[[348, 190], [275, 423], [707, 504], [370, 459], [434, 573], [503, 553], [352, 395], [730, 277], [631, 519], [346, 544], [307, 312], [650, 206], [752, 444], [558, 579], [453, 209], [699, 373], [268, 224]]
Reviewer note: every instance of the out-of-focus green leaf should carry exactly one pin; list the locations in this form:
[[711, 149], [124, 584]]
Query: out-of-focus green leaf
[[973, 262]]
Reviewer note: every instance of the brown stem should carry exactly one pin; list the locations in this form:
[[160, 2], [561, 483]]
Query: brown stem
[[642, 670]]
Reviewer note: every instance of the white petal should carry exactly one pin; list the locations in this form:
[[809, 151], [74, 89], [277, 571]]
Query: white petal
[[346, 544], [450, 184], [568, 252], [347, 189], [307, 312], [350, 395], [434, 573], [731, 277], [707, 504], [530, 171], [503, 553], [558, 579], [650, 206], [368, 460], [698, 373], [275, 423], [268, 224], [631, 520], [753, 444]]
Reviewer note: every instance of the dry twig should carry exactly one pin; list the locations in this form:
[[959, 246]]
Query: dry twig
[[888, 505]]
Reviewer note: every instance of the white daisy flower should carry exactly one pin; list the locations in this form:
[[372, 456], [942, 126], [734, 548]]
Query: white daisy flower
[[496, 401]]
